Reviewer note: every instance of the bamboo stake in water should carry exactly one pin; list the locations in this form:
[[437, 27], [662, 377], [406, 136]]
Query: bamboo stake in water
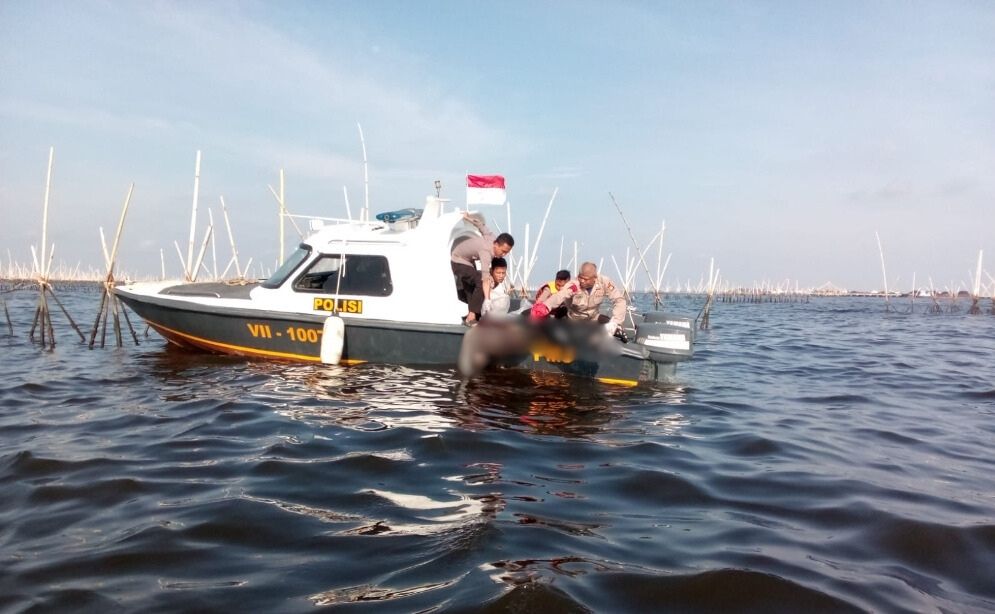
[[65, 313], [10, 327], [109, 300], [884, 273], [44, 215], [976, 291]]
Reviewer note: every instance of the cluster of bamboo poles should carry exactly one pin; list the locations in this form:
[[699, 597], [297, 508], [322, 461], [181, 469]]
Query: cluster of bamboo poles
[[978, 290], [192, 265], [41, 271]]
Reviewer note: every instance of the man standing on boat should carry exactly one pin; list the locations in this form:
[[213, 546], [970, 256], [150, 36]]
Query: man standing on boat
[[583, 297], [473, 287]]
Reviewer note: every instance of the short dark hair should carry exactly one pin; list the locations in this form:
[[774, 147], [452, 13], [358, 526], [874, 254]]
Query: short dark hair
[[563, 275], [499, 263], [505, 239]]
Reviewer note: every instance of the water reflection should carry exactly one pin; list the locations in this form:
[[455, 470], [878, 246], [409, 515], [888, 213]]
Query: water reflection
[[377, 397]]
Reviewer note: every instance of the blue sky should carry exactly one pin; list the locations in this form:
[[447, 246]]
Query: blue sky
[[775, 137]]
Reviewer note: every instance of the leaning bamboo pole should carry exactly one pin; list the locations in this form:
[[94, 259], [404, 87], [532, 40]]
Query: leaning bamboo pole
[[200, 256], [884, 273], [657, 300], [6, 314], [542, 227], [284, 214], [109, 303], [231, 241]]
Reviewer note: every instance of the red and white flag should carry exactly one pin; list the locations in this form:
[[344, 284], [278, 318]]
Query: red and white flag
[[485, 190]]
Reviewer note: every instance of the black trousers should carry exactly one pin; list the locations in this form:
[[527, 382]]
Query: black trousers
[[469, 286]]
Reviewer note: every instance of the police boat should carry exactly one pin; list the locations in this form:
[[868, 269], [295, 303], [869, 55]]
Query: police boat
[[379, 291]]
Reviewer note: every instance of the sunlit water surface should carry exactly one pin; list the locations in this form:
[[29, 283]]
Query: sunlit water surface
[[819, 456]]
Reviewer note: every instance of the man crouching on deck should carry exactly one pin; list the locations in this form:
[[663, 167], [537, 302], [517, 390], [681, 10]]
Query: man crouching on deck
[[583, 297], [474, 287]]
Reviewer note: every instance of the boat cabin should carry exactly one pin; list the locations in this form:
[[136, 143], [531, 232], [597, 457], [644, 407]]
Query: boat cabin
[[396, 267]]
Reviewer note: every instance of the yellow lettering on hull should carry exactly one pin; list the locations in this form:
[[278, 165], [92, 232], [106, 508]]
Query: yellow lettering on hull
[[342, 305]]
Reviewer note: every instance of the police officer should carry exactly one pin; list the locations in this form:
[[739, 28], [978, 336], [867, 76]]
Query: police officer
[[473, 287], [583, 297]]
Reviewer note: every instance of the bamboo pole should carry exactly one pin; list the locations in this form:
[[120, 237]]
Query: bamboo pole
[[524, 273], [10, 327], [348, 209], [96, 321], [180, 254], [214, 249], [365, 217], [283, 212], [49, 326], [976, 291], [193, 218], [283, 208], [44, 215], [884, 273], [134, 335], [542, 227], [72, 322], [656, 290], [108, 300], [203, 247], [912, 295], [120, 227], [231, 241], [659, 252]]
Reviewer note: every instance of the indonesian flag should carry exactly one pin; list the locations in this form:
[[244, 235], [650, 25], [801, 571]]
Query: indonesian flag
[[485, 190]]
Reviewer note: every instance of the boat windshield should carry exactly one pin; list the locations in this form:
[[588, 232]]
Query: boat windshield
[[289, 266]]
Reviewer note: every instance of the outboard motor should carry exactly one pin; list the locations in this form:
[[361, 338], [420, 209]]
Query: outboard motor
[[666, 336]]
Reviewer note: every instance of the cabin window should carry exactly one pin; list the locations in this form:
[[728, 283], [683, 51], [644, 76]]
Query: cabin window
[[356, 275], [289, 266]]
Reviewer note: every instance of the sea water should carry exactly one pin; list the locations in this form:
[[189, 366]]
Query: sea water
[[814, 456]]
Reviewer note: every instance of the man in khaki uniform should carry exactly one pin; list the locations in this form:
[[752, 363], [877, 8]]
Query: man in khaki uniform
[[473, 287], [583, 298]]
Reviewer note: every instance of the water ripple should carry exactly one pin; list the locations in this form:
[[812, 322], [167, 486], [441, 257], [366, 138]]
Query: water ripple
[[818, 456]]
